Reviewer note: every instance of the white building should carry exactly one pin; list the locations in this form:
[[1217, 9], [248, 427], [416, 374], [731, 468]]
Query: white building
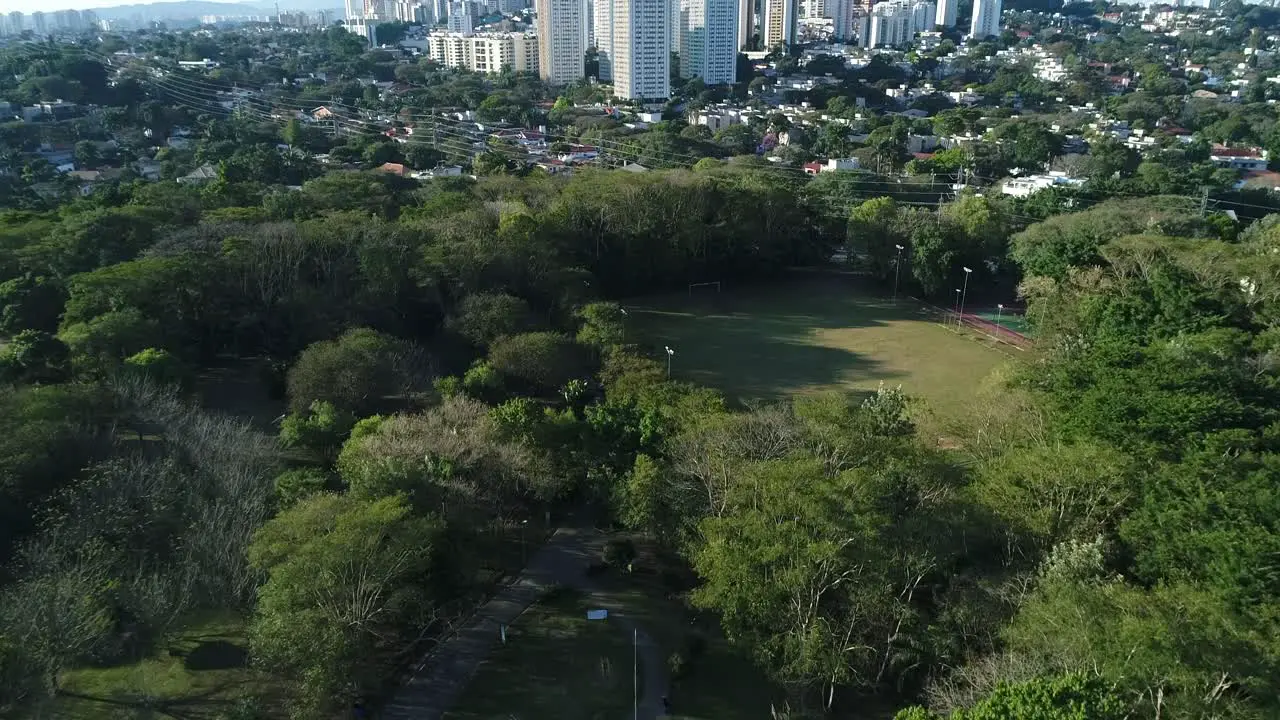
[[602, 20], [460, 18], [746, 22], [896, 22], [560, 33], [485, 52], [708, 40], [848, 20], [889, 25], [439, 11], [986, 19], [1022, 187], [779, 26], [642, 49], [946, 16]]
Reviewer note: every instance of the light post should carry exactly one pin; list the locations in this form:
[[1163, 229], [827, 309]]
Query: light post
[[965, 292], [670, 352], [956, 307], [999, 313], [897, 268], [524, 553]]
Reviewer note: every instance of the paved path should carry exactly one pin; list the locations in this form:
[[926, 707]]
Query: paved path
[[443, 674]]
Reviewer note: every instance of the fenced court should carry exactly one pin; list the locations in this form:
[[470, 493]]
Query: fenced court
[[810, 334]]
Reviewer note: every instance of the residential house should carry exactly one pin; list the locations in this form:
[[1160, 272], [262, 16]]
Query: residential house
[[1249, 159], [200, 175]]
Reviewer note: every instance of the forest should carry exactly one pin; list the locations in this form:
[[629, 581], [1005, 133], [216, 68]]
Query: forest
[[452, 356]]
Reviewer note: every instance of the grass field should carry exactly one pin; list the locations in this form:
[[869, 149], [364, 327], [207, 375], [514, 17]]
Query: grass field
[[556, 665], [199, 673], [812, 334]]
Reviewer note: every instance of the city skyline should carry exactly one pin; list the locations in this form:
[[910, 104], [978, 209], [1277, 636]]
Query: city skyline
[[30, 6]]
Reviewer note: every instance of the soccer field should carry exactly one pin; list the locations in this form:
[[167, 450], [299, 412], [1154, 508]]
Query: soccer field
[[811, 334]]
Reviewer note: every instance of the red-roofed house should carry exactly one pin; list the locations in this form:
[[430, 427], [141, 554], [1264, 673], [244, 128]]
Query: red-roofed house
[[1249, 159], [393, 169]]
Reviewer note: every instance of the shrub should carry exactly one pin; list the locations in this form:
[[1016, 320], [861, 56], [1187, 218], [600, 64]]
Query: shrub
[[618, 553]]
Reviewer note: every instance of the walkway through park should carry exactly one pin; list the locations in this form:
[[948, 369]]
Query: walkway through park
[[441, 676]]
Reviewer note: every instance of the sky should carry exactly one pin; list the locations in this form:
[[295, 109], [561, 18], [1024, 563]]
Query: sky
[[29, 6]]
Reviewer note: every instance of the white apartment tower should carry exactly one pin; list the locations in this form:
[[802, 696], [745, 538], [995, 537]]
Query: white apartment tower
[[460, 18], [602, 19], [746, 22], [889, 25], [923, 15], [485, 52], [846, 18], [642, 49], [986, 19], [946, 16], [896, 22], [560, 33], [779, 26], [708, 40]]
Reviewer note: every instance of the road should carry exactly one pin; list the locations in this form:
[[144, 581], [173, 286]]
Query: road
[[442, 675]]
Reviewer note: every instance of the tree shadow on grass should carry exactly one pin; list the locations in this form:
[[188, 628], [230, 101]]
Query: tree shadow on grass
[[764, 342], [203, 705], [215, 655]]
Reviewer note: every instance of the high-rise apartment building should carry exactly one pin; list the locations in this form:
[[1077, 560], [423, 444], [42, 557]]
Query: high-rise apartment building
[[923, 15], [778, 28], [16, 24], [946, 16], [745, 22], [602, 21], [846, 17], [560, 50], [986, 19], [895, 23], [460, 18], [708, 40], [90, 19], [38, 24], [485, 52], [642, 49]]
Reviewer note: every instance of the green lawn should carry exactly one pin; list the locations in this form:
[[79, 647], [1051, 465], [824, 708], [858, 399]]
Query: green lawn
[[556, 665], [813, 334], [196, 674]]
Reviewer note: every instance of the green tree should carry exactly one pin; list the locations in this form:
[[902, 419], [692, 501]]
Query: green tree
[[34, 356], [603, 326], [356, 372], [343, 576], [159, 366], [482, 318], [544, 360], [320, 431], [30, 302]]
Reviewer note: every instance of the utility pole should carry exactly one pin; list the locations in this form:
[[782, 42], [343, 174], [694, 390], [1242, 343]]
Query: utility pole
[[1204, 200]]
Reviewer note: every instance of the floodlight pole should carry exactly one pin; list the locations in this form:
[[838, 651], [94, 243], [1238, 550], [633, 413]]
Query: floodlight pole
[[670, 352], [999, 312], [965, 292], [897, 268], [635, 671]]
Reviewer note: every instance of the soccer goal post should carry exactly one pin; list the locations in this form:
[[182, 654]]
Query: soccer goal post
[[711, 285]]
